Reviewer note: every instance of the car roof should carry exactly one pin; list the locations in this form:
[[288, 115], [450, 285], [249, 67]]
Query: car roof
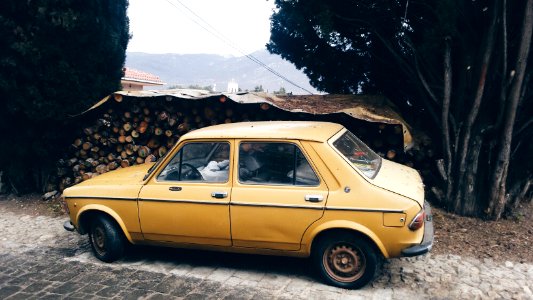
[[296, 130]]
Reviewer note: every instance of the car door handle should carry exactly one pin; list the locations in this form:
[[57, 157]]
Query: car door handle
[[314, 198], [219, 195], [174, 188]]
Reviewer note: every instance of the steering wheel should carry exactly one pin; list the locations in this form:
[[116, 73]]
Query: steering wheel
[[189, 172]]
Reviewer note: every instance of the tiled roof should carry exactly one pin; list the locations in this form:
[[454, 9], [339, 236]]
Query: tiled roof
[[140, 76]]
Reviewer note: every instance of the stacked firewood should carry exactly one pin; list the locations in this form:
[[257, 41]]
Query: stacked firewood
[[126, 133]]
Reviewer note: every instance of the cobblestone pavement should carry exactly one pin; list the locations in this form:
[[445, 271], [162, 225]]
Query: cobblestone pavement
[[40, 260]]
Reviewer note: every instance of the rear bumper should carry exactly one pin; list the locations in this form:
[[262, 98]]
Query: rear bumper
[[427, 242]]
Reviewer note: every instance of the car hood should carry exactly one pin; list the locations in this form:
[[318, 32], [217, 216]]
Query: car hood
[[400, 179], [129, 175], [121, 183]]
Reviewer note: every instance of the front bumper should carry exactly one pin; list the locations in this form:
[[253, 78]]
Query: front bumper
[[68, 226], [427, 242]]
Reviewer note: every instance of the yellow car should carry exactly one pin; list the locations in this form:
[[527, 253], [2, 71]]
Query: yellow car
[[306, 189]]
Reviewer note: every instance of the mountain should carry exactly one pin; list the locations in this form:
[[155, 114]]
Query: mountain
[[210, 69]]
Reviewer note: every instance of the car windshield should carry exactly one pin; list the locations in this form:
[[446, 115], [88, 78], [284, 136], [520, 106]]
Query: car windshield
[[359, 154]]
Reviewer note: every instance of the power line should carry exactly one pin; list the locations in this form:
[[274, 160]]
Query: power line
[[213, 31]]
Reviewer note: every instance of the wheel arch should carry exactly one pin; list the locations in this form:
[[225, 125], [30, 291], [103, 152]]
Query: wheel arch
[[334, 227], [88, 212]]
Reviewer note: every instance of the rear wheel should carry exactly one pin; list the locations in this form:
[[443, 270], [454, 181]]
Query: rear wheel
[[344, 260], [106, 238]]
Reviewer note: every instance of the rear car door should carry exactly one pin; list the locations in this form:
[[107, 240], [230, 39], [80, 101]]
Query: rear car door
[[277, 195]]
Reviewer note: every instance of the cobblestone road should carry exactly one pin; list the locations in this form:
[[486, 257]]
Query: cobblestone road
[[40, 260]]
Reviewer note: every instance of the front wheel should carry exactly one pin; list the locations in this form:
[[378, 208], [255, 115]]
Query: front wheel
[[106, 238], [346, 261]]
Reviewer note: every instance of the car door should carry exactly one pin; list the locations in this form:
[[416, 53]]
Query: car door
[[187, 201], [277, 194]]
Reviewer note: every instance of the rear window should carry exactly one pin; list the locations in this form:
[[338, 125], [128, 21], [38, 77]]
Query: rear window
[[359, 154]]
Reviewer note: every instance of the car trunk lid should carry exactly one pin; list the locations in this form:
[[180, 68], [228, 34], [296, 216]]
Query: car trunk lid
[[400, 179]]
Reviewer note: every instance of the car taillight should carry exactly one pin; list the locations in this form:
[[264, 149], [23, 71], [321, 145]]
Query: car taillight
[[418, 221]]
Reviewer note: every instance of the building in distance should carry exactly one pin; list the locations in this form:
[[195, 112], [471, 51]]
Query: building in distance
[[135, 80]]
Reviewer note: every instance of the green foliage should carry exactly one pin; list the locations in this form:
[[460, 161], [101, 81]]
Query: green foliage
[[193, 87], [281, 91], [332, 41], [198, 87], [258, 88], [57, 58]]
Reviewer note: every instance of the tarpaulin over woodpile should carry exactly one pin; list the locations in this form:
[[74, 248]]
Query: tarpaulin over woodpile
[[369, 108]]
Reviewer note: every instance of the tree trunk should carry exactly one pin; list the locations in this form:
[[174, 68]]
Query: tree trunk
[[444, 117], [470, 189], [465, 142], [518, 193], [499, 178]]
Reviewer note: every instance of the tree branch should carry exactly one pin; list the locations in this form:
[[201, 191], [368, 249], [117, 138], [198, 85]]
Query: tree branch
[[504, 85], [404, 65], [424, 82], [445, 113], [472, 115], [523, 127], [497, 183], [518, 194]]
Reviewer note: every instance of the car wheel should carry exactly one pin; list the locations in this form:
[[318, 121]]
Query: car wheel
[[346, 261], [106, 239]]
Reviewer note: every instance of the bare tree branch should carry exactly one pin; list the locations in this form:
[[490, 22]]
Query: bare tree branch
[[523, 127], [472, 115], [505, 79], [445, 113], [424, 83], [497, 183]]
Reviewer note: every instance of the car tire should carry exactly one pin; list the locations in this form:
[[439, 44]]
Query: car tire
[[106, 239], [345, 260]]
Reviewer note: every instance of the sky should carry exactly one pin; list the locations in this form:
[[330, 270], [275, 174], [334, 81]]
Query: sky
[[171, 26]]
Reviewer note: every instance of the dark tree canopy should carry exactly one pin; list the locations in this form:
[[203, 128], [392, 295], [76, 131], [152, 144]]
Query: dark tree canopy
[[461, 69], [335, 42], [56, 59]]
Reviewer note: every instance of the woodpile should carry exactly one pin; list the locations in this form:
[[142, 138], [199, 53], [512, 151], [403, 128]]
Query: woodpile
[[125, 133]]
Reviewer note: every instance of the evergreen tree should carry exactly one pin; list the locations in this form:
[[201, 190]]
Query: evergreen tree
[[281, 91], [57, 57]]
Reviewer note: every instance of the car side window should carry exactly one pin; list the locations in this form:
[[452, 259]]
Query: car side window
[[201, 161], [274, 163]]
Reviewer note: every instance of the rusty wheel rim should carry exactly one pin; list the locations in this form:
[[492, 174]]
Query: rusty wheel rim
[[344, 262], [99, 240]]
